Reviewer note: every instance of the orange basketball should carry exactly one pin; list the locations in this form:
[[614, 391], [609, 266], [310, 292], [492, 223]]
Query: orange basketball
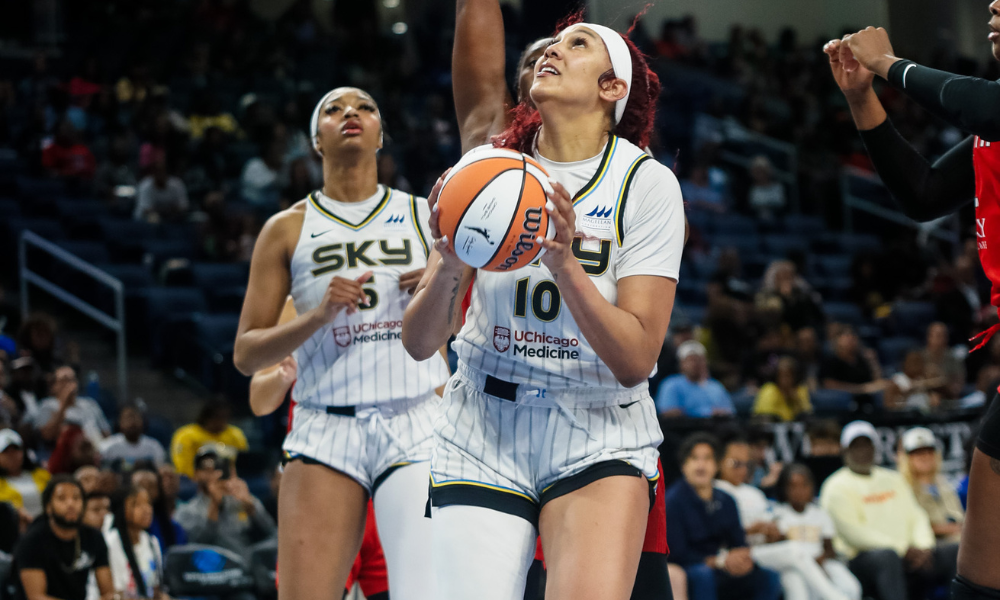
[[492, 207]]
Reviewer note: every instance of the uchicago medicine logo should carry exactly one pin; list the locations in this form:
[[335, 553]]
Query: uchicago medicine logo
[[501, 338]]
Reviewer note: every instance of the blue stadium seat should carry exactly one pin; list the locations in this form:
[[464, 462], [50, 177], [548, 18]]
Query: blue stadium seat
[[50, 229], [803, 224], [784, 245], [217, 332], [734, 225], [209, 275], [80, 217], [125, 231], [209, 352], [91, 252], [744, 243], [834, 265], [12, 228], [860, 243], [32, 190], [912, 318], [9, 209], [844, 312], [833, 289], [226, 299], [692, 292], [743, 401], [829, 403], [893, 350], [169, 316], [160, 429], [158, 251], [704, 265], [134, 277], [701, 220]]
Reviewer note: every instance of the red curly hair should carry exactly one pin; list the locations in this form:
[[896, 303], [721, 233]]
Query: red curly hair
[[636, 125]]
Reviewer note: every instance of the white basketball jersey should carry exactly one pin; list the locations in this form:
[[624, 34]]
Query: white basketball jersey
[[359, 359], [629, 221]]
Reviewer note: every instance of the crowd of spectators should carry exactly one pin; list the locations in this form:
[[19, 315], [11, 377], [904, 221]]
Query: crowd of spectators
[[70, 482], [856, 530], [197, 116]]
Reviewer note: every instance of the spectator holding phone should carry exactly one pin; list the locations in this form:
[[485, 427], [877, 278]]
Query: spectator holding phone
[[224, 513]]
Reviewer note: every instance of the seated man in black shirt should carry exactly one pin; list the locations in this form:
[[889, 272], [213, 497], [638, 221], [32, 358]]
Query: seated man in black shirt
[[851, 369], [56, 555]]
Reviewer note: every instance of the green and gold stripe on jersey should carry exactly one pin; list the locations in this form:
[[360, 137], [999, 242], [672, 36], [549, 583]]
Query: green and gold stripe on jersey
[[602, 171], [415, 215], [382, 203], [619, 218]]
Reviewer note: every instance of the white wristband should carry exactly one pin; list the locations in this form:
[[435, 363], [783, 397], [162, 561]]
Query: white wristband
[[720, 558]]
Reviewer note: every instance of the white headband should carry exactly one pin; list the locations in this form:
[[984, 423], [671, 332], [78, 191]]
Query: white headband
[[621, 61], [314, 122]]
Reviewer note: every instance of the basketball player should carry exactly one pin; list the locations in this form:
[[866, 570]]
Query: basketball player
[[482, 104], [533, 435], [362, 424], [969, 172], [268, 390]]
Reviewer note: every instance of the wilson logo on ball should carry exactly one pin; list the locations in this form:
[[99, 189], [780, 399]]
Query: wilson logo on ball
[[492, 208]]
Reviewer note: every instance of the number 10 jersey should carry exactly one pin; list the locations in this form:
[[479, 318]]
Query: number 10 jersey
[[629, 221]]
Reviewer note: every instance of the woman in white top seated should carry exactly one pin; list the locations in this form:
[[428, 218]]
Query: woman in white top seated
[[134, 555]]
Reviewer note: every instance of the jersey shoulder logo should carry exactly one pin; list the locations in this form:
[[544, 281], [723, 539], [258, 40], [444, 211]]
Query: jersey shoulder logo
[[501, 338], [598, 218], [396, 222], [342, 335]]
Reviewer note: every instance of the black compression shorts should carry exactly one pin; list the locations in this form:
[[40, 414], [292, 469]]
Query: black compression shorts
[[963, 589]]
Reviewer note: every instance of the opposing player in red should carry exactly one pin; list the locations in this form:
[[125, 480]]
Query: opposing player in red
[[483, 106], [969, 172]]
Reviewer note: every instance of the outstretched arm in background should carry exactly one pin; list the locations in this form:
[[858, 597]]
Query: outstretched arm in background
[[924, 191], [477, 72]]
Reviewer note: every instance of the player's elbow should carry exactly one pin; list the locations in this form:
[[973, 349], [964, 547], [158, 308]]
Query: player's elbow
[[632, 376], [416, 344], [241, 358]]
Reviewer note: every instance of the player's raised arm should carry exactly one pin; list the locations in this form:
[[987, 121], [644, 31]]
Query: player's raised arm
[[477, 71], [924, 191], [968, 103]]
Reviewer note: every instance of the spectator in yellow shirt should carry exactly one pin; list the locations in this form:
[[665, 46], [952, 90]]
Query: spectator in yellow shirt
[[21, 483], [787, 397], [881, 529], [212, 427]]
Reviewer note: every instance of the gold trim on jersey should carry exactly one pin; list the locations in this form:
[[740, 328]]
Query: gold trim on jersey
[[371, 216], [480, 484], [416, 225], [623, 197], [602, 170]]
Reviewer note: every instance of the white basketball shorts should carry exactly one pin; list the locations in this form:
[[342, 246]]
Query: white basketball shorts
[[367, 443], [512, 449]]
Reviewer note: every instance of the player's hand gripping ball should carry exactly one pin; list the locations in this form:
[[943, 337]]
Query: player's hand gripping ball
[[492, 209]]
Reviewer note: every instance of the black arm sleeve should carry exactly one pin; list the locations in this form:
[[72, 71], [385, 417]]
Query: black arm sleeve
[[969, 103], [924, 191]]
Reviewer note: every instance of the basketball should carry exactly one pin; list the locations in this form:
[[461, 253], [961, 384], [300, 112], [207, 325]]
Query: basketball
[[492, 207]]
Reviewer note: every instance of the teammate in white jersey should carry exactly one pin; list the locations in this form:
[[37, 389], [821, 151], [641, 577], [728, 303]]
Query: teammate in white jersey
[[349, 255], [548, 422]]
